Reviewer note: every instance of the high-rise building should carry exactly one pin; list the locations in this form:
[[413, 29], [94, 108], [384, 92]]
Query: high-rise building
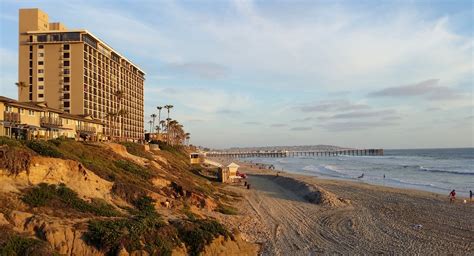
[[74, 71]]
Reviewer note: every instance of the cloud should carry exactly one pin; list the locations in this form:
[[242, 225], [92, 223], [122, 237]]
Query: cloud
[[301, 128], [252, 123], [279, 125], [228, 112], [428, 89], [333, 105], [305, 119], [355, 125], [201, 69], [362, 114], [207, 100]]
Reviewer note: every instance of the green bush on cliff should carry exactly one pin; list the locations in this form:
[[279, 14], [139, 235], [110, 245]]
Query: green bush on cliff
[[12, 244], [137, 150], [133, 168], [226, 209], [198, 233], [44, 148], [44, 195], [144, 231]]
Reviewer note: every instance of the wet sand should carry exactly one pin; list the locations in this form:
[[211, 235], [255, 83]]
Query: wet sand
[[300, 215]]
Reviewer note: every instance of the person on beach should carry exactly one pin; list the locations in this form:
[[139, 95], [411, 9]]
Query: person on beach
[[452, 196], [470, 195]]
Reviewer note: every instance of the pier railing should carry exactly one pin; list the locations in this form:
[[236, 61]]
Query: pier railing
[[346, 152]]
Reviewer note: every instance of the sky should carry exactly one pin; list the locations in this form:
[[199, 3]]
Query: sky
[[388, 74]]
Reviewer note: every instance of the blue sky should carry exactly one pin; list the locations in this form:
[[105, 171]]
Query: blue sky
[[391, 74]]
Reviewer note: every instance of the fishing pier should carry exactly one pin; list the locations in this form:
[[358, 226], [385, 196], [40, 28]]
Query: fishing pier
[[281, 154]]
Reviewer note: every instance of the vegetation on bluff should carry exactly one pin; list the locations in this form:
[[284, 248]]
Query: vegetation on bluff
[[64, 197], [139, 227]]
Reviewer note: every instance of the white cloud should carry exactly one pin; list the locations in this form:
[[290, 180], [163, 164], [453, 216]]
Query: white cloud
[[206, 100]]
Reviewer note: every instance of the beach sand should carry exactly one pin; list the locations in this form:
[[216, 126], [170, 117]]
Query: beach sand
[[300, 215]]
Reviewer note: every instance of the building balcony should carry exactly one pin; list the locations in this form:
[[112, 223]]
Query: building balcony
[[11, 117], [85, 128], [47, 121]]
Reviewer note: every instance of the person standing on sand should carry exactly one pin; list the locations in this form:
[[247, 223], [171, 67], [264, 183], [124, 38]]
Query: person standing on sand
[[452, 196], [470, 195]]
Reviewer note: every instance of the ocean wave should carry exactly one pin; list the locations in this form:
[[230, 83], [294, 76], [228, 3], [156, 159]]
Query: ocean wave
[[414, 183], [328, 170], [421, 168]]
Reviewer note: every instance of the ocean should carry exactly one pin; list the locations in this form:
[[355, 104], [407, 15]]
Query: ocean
[[435, 170]]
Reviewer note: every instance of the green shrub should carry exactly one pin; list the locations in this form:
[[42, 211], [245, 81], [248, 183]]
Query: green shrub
[[10, 142], [44, 194], [175, 150], [226, 209], [145, 231], [133, 169], [44, 148], [197, 234], [12, 244], [145, 205], [137, 150], [40, 195]]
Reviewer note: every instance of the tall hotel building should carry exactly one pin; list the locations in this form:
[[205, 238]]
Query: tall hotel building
[[74, 71]]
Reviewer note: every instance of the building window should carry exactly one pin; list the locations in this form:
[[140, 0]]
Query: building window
[[66, 79], [31, 112], [66, 104], [40, 71], [40, 46], [41, 79], [31, 48], [66, 63], [41, 87], [40, 95], [22, 111], [40, 63], [66, 47], [66, 96], [66, 71], [66, 87], [66, 55], [41, 54]]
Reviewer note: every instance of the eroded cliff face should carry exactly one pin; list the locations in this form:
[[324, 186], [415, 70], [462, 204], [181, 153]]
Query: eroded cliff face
[[63, 228], [64, 235]]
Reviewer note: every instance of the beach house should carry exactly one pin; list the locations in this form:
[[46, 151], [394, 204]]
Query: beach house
[[35, 120]]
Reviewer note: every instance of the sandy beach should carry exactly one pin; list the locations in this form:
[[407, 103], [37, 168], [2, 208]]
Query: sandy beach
[[300, 215]]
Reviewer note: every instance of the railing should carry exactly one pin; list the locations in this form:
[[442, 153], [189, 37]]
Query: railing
[[51, 121], [85, 128], [11, 117]]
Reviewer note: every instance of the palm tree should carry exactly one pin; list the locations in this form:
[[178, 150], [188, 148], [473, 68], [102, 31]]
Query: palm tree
[[119, 94], [21, 85], [151, 123], [187, 137], [153, 116], [168, 133], [168, 107], [159, 118], [113, 116]]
